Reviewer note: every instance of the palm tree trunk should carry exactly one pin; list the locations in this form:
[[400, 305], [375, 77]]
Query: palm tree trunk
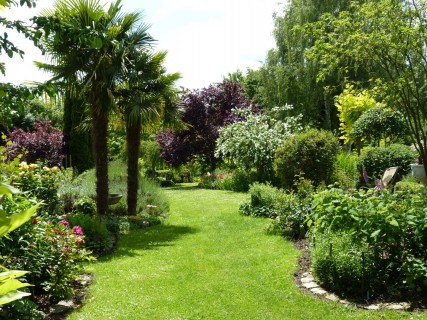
[[133, 144], [100, 149]]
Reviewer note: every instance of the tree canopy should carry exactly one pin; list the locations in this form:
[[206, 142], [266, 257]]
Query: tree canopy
[[93, 47], [288, 77], [205, 112], [388, 38]]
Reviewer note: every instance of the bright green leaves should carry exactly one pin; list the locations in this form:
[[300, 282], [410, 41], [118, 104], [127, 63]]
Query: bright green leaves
[[6, 189], [375, 233], [97, 43], [351, 104], [9, 223], [9, 286]]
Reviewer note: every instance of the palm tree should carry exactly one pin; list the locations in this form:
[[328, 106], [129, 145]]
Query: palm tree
[[91, 45], [148, 97]]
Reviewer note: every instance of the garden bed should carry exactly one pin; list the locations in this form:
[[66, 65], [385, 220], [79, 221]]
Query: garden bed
[[380, 300]]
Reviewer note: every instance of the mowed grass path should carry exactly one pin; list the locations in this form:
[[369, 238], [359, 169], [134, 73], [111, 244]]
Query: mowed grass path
[[207, 262]]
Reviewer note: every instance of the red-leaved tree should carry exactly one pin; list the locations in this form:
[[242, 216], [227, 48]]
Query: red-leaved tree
[[205, 111]]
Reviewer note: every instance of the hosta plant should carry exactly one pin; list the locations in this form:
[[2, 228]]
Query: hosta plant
[[9, 279]]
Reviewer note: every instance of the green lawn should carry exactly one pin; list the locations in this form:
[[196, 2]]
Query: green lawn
[[207, 262]]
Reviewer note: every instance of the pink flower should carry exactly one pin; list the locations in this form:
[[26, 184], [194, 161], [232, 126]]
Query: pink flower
[[79, 241], [65, 223], [78, 231]]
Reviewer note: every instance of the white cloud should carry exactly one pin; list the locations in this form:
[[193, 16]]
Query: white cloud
[[205, 40]]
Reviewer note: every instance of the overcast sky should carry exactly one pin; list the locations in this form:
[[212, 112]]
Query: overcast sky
[[205, 39]]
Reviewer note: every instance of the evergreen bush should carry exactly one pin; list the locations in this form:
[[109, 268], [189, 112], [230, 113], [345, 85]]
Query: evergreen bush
[[376, 159], [310, 154]]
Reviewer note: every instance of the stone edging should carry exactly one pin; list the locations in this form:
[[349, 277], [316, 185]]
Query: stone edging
[[308, 282]]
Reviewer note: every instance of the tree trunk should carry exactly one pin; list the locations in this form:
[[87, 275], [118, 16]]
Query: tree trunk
[[133, 144], [79, 144], [100, 150]]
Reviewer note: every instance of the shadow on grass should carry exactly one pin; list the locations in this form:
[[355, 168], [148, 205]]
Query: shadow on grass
[[183, 186], [149, 239]]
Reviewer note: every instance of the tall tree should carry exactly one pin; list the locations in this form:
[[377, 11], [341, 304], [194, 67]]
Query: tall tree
[[147, 97], [90, 44], [389, 38], [287, 77]]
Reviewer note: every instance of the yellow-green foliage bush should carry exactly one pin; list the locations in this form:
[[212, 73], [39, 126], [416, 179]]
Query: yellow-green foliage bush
[[351, 104]]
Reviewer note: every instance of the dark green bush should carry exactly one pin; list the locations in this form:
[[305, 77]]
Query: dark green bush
[[288, 211], [237, 180], [376, 159], [392, 225], [117, 225], [293, 209], [342, 265], [291, 216], [240, 181], [379, 123], [310, 154], [22, 309]]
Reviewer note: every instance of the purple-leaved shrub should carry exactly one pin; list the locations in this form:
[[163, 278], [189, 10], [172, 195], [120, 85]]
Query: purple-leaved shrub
[[44, 143]]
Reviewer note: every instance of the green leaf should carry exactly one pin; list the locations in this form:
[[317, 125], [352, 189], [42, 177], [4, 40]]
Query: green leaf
[[11, 274], [6, 189], [375, 233], [4, 3], [10, 223], [11, 285], [393, 222], [12, 296], [97, 43]]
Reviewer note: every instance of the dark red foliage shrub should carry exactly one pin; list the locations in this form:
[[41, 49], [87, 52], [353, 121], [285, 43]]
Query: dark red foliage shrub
[[44, 143], [205, 111]]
